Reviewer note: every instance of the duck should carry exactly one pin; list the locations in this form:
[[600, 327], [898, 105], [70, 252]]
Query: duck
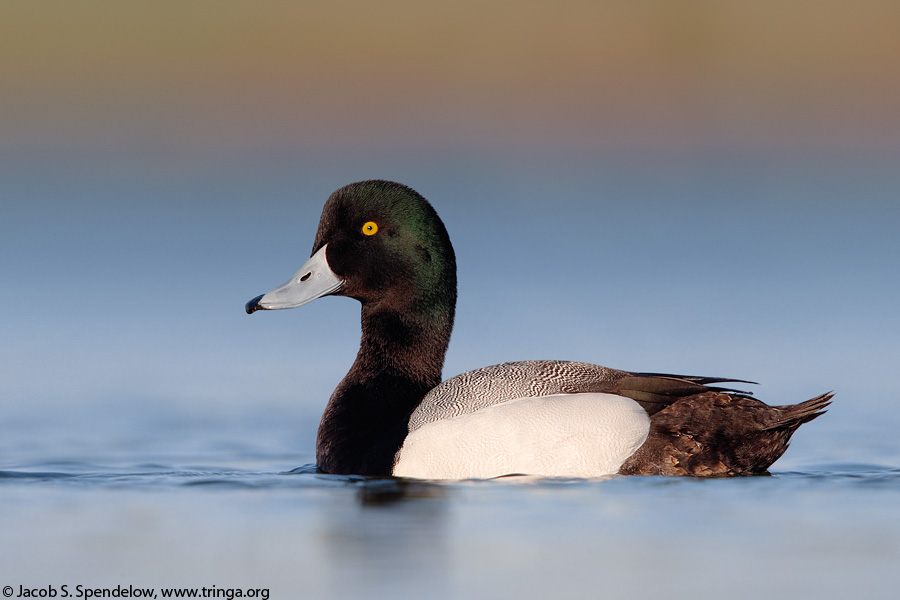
[[383, 244]]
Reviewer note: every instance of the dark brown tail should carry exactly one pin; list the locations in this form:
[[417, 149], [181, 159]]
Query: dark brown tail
[[792, 416], [715, 434], [775, 437]]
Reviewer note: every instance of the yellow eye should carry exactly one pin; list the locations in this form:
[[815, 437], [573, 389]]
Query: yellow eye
[[370, 228]]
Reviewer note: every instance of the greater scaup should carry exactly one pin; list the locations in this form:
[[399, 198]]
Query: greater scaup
[[383, 244]]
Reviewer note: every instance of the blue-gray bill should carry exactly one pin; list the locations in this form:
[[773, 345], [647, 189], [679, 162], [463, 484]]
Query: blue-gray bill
[[314, 280]]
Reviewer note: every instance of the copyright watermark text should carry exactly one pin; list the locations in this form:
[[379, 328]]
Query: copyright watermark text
[[130, 591]]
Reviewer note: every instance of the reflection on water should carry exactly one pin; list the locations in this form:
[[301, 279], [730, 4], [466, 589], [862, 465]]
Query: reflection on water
[[396, 537], [192, 503], [830, 531]]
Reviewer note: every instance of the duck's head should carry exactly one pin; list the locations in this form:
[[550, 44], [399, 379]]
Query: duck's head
[[381, 243]]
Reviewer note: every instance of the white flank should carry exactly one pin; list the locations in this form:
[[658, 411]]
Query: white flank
[[564, 435]]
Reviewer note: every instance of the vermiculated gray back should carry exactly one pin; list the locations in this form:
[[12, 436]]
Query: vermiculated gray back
[[485, 387]]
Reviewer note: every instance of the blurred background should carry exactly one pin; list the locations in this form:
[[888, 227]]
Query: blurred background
[[696, 187]]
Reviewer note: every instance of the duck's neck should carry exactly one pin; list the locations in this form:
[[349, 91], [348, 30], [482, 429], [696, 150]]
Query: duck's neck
[[400, 359]]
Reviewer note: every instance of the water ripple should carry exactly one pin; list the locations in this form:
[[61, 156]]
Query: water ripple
[[156, 474]]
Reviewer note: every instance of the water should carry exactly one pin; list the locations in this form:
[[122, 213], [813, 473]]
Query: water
[[167, 500]]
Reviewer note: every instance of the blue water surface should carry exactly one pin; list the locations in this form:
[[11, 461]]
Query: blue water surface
[[196, 503]]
